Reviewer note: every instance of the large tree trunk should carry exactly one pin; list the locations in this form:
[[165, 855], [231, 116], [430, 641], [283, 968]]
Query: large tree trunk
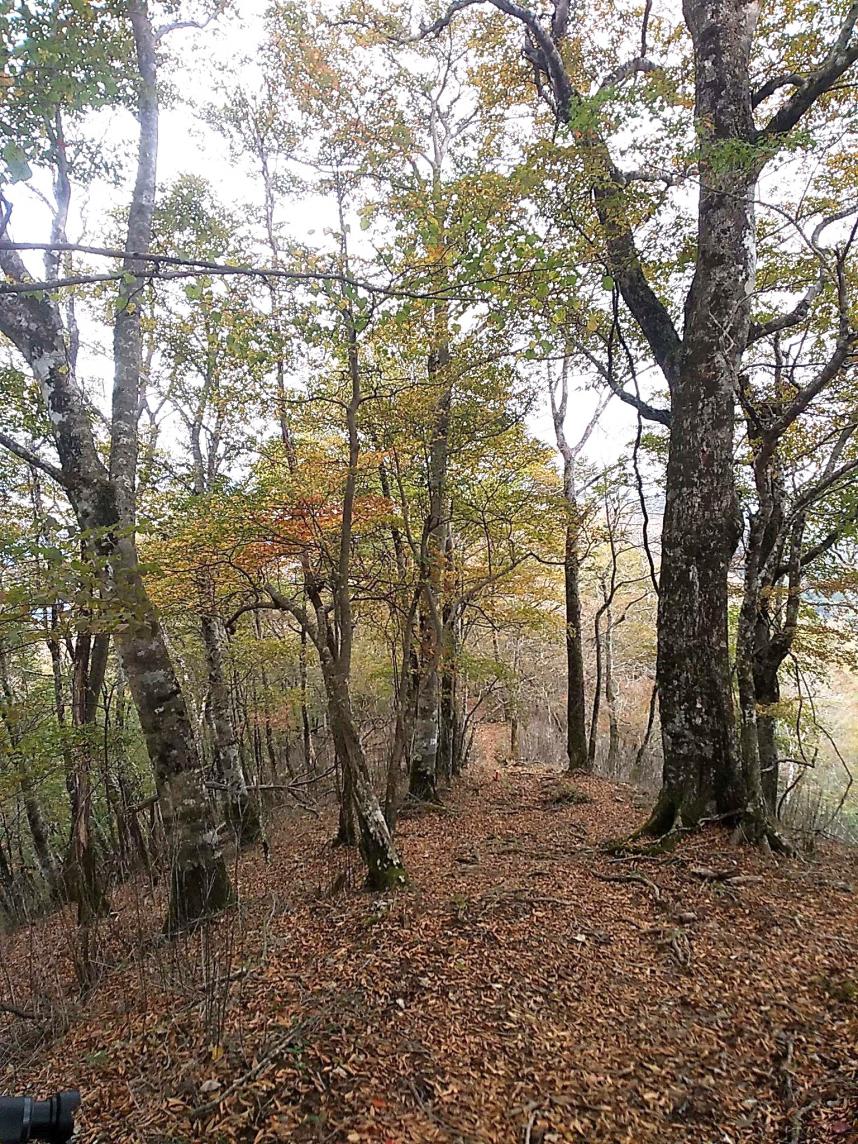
[[693, 666], [198, 880], [701, 524]]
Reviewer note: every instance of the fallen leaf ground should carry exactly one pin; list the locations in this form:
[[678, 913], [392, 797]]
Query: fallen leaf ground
[[526, 987]]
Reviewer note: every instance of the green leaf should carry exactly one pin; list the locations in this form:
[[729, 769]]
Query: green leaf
[[16, 163], [607, 282]]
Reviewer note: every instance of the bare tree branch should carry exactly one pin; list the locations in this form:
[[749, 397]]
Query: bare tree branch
[[191, 267], [650, 412], [843, 53], [10, 444], [791, 79], [623, 71], [759, 330], [645, 26], [842, 352], [825, 485], [827, 542]]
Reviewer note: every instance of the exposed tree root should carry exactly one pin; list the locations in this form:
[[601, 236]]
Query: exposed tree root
[[412, 806], [758, 830], [630, 847], [639, 878]]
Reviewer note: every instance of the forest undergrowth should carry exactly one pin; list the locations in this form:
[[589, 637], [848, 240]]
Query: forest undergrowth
[[526, 986]]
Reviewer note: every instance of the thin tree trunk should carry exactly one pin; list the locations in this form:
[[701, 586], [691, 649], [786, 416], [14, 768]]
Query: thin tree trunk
[[127, 796], [767, 691], [399, 745], [38, 829], [423, 766], [577, 751], [84, 880], [7, 882], [514, 705], [637, 766], [306, 733], [423, 782], [611, 695], [242, 814], [334, 638], [754, 815], [32, 807], [597, 691], [346, 832], [447, 724], [576, 733], [384, 868], [199, 882]]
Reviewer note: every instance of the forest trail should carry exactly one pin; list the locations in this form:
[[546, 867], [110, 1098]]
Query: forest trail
[[511, 993]]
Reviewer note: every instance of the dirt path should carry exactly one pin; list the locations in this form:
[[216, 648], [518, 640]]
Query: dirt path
[[524, 988]]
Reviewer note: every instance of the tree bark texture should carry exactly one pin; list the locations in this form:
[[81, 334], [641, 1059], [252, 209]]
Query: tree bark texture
[[701, 523]]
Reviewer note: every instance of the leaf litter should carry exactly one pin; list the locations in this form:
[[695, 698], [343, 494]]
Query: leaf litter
[[527, 986]]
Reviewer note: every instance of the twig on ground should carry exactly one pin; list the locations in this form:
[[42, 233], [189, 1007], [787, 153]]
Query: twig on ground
[[24, 1014], [783, 1063], [528, 1132], [796, 1122], [294, 1034]]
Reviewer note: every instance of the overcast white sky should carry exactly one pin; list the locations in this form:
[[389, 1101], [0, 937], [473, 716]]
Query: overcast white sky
[[206, 60]]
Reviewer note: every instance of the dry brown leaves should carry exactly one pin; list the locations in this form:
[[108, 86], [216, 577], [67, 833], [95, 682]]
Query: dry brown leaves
[[526, 987]]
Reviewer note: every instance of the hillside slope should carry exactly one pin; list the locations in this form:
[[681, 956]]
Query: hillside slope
[[525, 987]]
